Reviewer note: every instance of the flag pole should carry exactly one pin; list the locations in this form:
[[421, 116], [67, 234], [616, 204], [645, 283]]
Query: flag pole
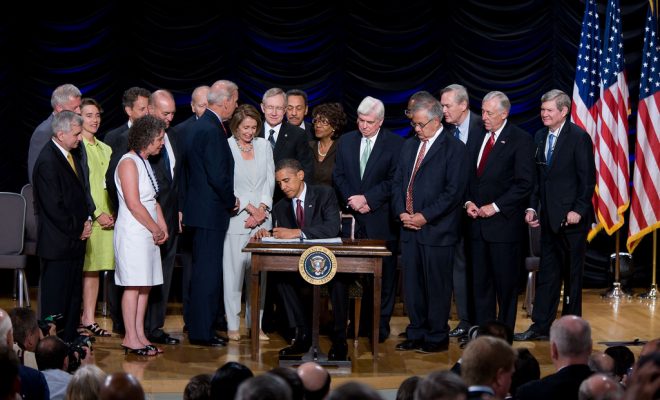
[[617, 292], [652, 294]]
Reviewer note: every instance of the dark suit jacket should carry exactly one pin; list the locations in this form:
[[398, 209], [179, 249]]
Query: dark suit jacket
[[61, 205], [168, 184], [438, 188], [563, 384], [309, 130], [182, 128], [375, 185], [292, 143], [117, 139], [321, 213], [507, 180], [475, 132], [81, 153], [568, 183], [207, 178]]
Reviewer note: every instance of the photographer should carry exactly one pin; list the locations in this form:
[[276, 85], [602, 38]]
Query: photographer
[[26, 335], [55, 359]]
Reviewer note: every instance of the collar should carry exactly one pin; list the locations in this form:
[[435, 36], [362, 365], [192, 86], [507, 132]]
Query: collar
[[302, 125], [482, 389], [64, 152], [432, 139], [556, 133], [276, 128], [372, 139], [497, 132], [303, 194], [464, 126]]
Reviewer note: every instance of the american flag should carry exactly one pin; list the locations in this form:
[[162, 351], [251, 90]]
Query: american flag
[[612, 139], [645, 207]]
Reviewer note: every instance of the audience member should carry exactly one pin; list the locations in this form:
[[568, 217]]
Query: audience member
[[53, 362], [492, 328], [316, 380], [26, 334], [645, 380], [527, 370], [328, 125], [121, 386], [441, 385], [10, 382], [292, 379], [199, 388], [296, 110], [354, 391], [600, 387], [624, 359], [86, 383], [264, 387], [602, 363], [407, 388], [487, 367], [651, 346], [570, 347], [227, 378]]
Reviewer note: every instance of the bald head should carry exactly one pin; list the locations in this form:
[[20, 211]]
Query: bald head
[[6, 336], [315, 379], [121, 386], [570, 341], [601, 362], [199, 100], [600, 387], [162, 106]]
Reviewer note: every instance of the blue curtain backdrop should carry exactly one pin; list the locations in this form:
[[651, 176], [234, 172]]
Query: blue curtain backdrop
[[336, 51]]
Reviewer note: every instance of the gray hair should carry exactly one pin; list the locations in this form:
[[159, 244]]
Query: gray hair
[[372, 105], [571, 335], [199, 89], [265, 386], [422, 95], [440, 385], [62, 94], [297, 92], [63, 121], [505, 104], [460, 93], [559, 97], [600, 387], [85, 383], [221, 91], [432, 107], [273, 92], [5, 327]]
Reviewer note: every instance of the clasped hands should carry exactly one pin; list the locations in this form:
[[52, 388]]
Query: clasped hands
[[572, 218], [279, 233], [412, 221], [359, 203], [106, 221], [484, 211], [257, 216]]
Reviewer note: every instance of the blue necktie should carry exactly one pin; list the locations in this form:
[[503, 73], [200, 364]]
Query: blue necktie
[[457, 133], [271, 138], [166, 159], [548, 155]]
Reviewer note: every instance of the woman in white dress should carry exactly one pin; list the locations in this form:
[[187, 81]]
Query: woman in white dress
[[139, 230], [254, 181]]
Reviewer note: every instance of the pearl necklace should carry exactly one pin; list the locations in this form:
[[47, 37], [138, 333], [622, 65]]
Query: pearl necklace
[[318, 149], [245, 149]]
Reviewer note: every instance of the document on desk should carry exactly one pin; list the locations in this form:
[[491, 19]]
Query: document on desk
[[269, 239]]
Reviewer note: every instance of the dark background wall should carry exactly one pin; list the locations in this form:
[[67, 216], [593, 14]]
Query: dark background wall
[[336, 51]]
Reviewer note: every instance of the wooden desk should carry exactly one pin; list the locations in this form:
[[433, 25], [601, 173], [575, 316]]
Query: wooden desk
[[353, 256]]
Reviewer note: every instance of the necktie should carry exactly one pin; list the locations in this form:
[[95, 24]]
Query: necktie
[[69, 158], [551, 142], [166, 160], [457, 133], [300, 214], [223, 128], [409, 192], [365, 157], [271, 138], [484, 155]]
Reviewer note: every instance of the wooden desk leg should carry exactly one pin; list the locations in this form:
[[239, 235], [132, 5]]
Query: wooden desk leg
[[378, 274], [254, 296]]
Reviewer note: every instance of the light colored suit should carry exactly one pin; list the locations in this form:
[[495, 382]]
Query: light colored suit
[[254, 182]]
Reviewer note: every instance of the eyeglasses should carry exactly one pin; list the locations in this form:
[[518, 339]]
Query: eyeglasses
[[273, 108], [408, 112], [320, 121], [420, 126]]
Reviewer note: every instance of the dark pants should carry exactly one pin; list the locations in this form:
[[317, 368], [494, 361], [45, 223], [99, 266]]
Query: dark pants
[[427, 277], [61, 293], [154, 319], [115, 293], [462, 286], [562, 258], [205, 290], [495, 267]]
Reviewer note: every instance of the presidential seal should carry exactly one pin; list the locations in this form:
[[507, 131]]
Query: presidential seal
[[317, 265]]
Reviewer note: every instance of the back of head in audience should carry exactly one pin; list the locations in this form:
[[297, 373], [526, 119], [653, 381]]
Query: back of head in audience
[[652, 346], [292, 379], [316, 380], [601, 362], [6, 332], [263, 387], [623, 358], [354, 391], [407, 388], [489, 361], [10, 383], [527, 370], [26, 328], [51, 354], [85, 383], [496, 329], [198, 388], [600, 387], [228, 378], [121, 386], [570, 341], [441, 385]]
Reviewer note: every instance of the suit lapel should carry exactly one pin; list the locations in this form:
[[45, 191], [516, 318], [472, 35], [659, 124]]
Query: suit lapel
[[310, 201], [376, 153], [563, 134], [498, 149], [65, 164], [439, 142]]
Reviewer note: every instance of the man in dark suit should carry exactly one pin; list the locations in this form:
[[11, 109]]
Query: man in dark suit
[[207, 199], [422, 95], [198, 104], [288, 141], [365, 164], [468, 127], [64, 97], [427, 192], [570, 347], [565, 181], [487, 366], [135, 101], [296, 110], [64, 222], [165, 166], [307, 212], [501, 179]]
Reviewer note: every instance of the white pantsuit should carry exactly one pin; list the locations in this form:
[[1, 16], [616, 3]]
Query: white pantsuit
[[254, 181]]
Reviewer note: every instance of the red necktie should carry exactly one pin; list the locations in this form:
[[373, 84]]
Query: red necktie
[[300, 214], [486, 152], [409, 192]]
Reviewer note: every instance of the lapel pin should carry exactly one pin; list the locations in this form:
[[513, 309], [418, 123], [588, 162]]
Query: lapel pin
[[502, 141]]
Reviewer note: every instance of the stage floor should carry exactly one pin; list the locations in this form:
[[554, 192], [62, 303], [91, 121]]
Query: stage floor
[[622, 320]]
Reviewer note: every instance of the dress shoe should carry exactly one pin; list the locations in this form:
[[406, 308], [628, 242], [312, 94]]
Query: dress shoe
[[214, 342], [163, 339], [338, 351], [434, 347], [403, 335], [458, 332], [299, 346], [222, 335], [409, 344], [529, 334]]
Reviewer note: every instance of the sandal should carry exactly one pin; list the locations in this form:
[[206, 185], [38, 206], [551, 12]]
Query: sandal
[[96, 330], [144, 351], [234, 336], [151, 347]]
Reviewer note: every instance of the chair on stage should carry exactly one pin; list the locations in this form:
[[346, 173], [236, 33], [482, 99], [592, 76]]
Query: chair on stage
[[12, 215], [532, 263]]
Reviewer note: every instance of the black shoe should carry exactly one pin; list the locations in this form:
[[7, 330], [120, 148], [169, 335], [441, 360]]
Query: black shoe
[[222, 335], [338, 351], [163, 339], [409, 344], [458, 332], [300, 345], [214, 342], [434, 347], [529, 334], [403, 335]]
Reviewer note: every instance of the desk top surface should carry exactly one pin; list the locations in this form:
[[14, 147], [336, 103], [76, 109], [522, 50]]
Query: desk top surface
[[357, 247]]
